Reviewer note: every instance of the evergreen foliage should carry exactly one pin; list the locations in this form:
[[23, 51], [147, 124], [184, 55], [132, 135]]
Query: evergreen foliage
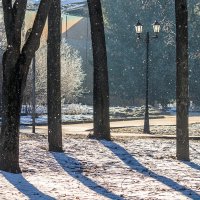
[[126, 54]]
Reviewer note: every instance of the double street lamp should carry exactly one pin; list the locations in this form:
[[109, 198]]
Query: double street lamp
[[156, 29]]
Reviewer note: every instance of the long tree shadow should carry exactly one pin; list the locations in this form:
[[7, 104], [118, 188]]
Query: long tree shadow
[[129, 160], [74, 168], [19, 182], [192, 165]]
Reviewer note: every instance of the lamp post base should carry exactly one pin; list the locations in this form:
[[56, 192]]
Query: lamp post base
[[146, 124]]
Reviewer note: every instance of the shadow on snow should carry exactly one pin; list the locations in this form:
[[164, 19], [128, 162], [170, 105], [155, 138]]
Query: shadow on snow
[[192, 165], [74, 168], [129, 160], [19, 182]]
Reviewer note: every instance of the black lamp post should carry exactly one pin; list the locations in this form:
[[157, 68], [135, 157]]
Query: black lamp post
[[156, 29]]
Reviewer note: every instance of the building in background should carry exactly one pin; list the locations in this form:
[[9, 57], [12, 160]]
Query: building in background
[[78, 36], [76, 32]]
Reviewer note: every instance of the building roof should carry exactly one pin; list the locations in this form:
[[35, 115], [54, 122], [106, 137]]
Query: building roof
[[62, 1], [67, 5]]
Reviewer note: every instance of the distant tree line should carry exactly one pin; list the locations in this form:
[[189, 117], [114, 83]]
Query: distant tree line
[[126, 55]]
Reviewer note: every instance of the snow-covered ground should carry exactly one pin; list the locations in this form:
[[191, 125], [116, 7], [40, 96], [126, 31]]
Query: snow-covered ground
[[194, 129], [42, 119], [98, 170], [84, 113], [78, 112]]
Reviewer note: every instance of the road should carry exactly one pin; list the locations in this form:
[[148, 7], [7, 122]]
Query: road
[[86, 128]]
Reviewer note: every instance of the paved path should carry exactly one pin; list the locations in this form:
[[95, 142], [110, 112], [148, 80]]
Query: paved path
[[84, 128]]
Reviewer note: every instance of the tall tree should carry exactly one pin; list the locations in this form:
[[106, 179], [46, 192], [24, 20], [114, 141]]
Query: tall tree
[[16, 62], [182, 100], [53, 77], [100, 82]]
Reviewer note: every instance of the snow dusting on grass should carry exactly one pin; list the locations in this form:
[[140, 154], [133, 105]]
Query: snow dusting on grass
[[98, 170], [84, 113], [194, 130]]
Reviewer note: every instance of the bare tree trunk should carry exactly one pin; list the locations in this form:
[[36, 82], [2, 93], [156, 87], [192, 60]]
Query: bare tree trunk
[[1, 82], [9, 145], [182, 100], [100, 84], [53, 78], [16, 62]]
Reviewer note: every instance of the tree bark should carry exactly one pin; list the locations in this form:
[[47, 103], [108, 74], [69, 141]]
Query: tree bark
[[16, 62], [9, 144], [100, 82], [182, 99], [53, 78]]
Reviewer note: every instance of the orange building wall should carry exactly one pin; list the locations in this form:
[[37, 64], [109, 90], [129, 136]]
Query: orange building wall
[[71, 21]]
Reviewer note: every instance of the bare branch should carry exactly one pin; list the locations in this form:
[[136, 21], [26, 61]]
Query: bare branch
[[33, 41], [8, 19], [19, 10]]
